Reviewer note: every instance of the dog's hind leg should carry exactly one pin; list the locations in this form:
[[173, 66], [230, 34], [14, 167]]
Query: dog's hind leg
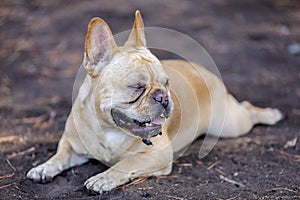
[[64, 158], [241, 117], [268, 116]]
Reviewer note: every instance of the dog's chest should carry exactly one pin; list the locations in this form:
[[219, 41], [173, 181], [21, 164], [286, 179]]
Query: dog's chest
[[109, 147]]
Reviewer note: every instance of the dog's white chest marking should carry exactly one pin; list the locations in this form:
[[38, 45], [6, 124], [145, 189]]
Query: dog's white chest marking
[[115, 138]]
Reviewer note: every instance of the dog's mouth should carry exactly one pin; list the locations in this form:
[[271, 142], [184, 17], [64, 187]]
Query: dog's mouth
[[145, 130]]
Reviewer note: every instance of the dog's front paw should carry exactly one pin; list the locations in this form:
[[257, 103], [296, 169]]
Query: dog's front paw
[[43, 173], [104, 182]]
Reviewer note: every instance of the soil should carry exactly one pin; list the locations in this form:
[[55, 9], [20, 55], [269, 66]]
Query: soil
[[41, 50]]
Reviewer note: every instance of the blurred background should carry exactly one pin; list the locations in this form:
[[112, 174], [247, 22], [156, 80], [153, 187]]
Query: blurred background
[[254, 43]]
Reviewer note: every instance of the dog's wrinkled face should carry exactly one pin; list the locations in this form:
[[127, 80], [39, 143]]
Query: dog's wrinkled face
[[131, 86], [138, 98]]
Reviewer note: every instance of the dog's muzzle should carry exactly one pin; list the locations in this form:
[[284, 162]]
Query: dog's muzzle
[[145, 130]]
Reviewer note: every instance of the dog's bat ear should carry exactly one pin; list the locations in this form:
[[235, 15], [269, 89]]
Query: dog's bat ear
[[99, 46], [137, 34]]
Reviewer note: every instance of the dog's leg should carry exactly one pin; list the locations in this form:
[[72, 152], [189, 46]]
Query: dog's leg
[[64, 158], [241, 117], [148, 163]]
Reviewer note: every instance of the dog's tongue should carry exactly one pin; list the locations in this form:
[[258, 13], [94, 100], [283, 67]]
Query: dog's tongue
[[158, 121]]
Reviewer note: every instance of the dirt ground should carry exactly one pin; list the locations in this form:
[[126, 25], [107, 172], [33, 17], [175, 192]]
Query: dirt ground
[[41, 47]]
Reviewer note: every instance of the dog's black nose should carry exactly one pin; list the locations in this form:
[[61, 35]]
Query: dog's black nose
[[161, 97]]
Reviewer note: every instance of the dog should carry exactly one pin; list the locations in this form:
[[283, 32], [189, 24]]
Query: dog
[[133, 112]]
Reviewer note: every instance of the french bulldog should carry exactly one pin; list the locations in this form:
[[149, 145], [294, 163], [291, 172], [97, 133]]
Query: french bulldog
[[133, 112]]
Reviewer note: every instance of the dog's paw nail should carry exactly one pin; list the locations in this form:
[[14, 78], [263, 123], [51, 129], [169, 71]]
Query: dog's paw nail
[[47, 179], [90, 191]]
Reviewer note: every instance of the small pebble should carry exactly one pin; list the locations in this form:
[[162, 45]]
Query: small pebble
[[145, 194], [294, 49]]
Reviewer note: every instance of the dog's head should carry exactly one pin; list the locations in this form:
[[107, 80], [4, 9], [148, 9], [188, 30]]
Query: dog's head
[[130, 86]]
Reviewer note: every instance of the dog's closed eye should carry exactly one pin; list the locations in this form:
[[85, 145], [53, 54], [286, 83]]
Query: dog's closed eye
[[139, 90], [138, 86]]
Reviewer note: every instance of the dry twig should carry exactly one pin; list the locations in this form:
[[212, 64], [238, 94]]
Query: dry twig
[[148, 188], [11, 166], [173, 197], [199, 162], [20, 153], [291, 143], [231, 197], [5, 186], [39, 121], [219, 171], [12, 138], [213, 164], [231, 181], [34, 120], [174, 176], [6, 176], [286, 189], [185, 164], [296, 157], [137, 181]]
